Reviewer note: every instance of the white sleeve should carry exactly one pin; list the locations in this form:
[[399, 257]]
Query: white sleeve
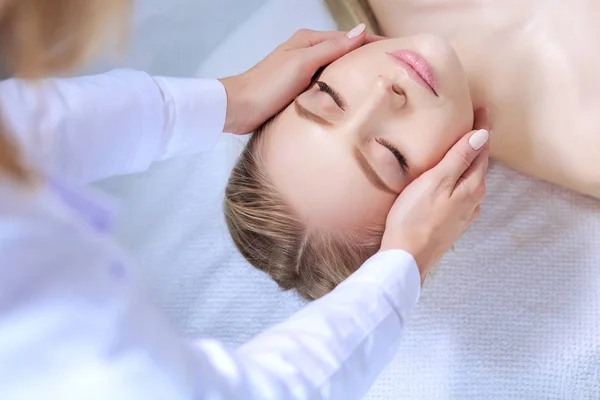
[[333, 349], [74, 323], [93, 127]]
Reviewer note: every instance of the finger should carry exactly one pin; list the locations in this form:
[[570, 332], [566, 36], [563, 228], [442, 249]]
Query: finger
[[481, 121], [461, 156], [374, 38], [472, 182], [307, 38], [478, 168], [330, 50]]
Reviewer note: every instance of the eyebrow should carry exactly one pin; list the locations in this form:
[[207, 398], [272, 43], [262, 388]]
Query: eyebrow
[[371, 174], [309, 115]]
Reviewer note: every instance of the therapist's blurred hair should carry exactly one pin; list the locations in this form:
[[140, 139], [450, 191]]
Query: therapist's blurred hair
[[273, 239], [51, 37]]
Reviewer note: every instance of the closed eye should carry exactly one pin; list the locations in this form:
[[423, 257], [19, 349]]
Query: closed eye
[[337, 98], [394, 150]]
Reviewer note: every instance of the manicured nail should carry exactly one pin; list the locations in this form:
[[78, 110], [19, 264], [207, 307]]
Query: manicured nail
[[479, 138], [356, 31]]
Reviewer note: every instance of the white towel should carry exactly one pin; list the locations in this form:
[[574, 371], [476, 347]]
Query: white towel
[[512, 313]]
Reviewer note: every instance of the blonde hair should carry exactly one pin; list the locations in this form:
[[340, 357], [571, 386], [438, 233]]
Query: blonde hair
[[349, 13], [273, 239], [41, 37]]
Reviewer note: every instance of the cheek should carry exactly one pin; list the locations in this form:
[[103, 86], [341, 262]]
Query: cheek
[[431, 146], [355, 72], [428, 155], [457, 121]]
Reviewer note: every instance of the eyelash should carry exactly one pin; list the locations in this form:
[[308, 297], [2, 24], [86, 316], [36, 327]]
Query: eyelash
[[401, 159], [323, 87]]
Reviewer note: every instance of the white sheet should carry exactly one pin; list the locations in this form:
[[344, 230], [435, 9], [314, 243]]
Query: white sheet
[[513, 313]]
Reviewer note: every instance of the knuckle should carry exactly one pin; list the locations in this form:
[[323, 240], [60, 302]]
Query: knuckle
[[342, 46], [337, 42], [300, 33], [447, 183], [465, 158], [470, 187]]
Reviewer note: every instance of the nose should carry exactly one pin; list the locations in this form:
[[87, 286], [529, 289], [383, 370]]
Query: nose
[[384, 99]]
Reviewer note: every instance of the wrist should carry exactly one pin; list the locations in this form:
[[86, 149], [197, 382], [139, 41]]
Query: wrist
[[238, 105], [419, 252]]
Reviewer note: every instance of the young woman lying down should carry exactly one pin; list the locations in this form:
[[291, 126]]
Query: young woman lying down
[[308, 198]]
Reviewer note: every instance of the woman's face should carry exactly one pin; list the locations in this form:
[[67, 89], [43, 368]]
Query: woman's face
[[377, 119]]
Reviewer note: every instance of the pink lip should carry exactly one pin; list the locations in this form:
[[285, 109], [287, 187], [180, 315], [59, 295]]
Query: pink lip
[[416, 67]]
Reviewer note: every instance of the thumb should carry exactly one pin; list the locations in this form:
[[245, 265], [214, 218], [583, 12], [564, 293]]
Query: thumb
[[330, 50], [461, 155]]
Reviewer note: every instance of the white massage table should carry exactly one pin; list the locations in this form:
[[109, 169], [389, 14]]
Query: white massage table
[[513, 313]]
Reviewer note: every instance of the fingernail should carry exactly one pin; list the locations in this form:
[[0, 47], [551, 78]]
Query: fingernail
[[356, 31], [479, 138]]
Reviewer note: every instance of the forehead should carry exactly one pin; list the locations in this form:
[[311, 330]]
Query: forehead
[[352, 65], [317, 175]]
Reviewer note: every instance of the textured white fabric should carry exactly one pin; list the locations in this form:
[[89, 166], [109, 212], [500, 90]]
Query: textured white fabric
[[513, 313]]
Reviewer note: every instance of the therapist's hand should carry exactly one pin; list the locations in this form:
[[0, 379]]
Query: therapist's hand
[[256, 95], [436, 208]]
